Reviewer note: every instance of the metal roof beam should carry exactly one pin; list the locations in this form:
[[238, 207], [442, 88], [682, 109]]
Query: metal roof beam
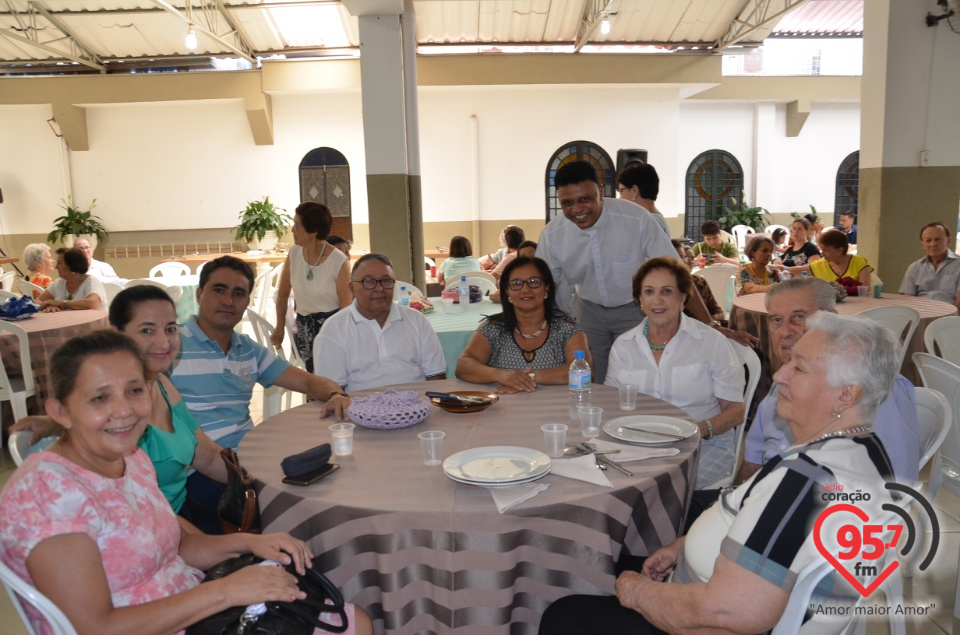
[[755, 15], [594, 12], [75, 41], [77, 53], [240, 34], [242, 50]]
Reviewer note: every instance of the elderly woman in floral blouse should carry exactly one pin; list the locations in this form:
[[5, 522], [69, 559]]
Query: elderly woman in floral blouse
[[757, 276]]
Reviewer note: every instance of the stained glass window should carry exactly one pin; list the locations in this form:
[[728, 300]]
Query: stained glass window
[[714, 179], [574, 151], [325, 178], [848, 186]]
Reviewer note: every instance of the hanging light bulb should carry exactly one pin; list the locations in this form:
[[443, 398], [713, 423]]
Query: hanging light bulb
[[191, 40], [605, 26]]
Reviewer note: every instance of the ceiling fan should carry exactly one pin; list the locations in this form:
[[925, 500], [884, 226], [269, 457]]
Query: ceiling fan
[[951, 13]]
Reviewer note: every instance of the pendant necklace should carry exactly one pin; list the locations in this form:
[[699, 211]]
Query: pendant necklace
[[646, 334], [839, 433], [323, 248], [532, 335], [83, 279]]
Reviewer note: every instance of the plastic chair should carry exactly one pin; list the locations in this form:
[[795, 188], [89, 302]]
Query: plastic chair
[[718, 276], [20, 447], [902, 321], [170, 270], [485, 285], [408, 285], [751, 361], [936, 419], [17, 390], [19, 589], [6, 280], [112, 289], [799, 602], [944, 377], [7, 295], [29, 289], [483, 275], [200, 266], [740, 233], [262, 331], [942, 338]]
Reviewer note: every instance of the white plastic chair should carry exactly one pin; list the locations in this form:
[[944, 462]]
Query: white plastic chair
[[944, 377], [772, 228], [942, 338], [408, 285], [170, 270], [799, 602], [262, 331], [486, 286], [6, 280], [200, 266], [7, 295], [20, 447], [936, 418], [17, 390], [28, 288], [902, 320], [751, 361], [19, 589], [740, 233], [483, 275], [112, 289], [718, 277]]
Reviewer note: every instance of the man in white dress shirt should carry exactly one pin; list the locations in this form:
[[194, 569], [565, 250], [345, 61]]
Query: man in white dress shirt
[[375, 342], [95, 268], [593, 250]]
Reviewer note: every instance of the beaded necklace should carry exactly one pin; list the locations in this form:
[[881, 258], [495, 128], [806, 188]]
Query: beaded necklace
[[646, 334], [532, 335], [840, 433]]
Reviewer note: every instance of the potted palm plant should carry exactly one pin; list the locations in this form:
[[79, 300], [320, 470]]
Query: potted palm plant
[[742, 214], [76, 223], [262, 224]]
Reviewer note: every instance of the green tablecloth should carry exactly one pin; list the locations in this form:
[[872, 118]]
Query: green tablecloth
[[455, 328]]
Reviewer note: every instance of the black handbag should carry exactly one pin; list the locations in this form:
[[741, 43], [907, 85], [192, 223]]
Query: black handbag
[[281, 618], [238, 509]]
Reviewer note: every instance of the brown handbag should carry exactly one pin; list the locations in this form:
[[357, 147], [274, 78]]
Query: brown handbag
[[238, 509]]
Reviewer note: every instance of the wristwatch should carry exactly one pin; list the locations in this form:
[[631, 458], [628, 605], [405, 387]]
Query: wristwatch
[[714, 324], [709, 425]]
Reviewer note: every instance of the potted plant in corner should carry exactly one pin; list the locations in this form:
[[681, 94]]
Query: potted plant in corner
[[76, 223], [262, 224], [742, 214]]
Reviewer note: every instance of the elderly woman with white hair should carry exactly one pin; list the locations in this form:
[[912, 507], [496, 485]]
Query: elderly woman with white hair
[[736, 567], [39, 264]]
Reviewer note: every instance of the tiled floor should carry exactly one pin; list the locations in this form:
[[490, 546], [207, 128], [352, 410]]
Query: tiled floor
[[937, 585]]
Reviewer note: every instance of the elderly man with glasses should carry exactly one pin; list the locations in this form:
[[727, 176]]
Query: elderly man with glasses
[[96, 268], [375, 342]]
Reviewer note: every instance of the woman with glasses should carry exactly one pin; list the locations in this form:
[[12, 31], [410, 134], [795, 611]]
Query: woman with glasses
[[532, 342], [678, 359]]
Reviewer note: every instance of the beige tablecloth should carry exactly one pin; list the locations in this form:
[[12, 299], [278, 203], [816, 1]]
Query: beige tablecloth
[[750, 314], [46, 332], [422, 553]]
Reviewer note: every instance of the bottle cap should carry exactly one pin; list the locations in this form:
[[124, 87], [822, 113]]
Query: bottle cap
[[463, 278], [579, 355]]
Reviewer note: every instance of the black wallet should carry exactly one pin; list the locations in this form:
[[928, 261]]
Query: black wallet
[[306, 461]]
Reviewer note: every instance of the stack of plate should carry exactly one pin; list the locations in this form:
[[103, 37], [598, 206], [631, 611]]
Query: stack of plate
[[497, 466], [650, 429]]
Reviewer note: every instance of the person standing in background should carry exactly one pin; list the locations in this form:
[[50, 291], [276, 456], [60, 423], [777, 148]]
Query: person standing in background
[[640, 184]]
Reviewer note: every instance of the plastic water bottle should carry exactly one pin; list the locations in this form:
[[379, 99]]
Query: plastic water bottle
[[464, 293], [804, 274], [579, 381], [784, 275], [404, 296]]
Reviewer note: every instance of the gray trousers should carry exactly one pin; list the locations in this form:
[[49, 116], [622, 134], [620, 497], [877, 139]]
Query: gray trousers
[[603, 325]]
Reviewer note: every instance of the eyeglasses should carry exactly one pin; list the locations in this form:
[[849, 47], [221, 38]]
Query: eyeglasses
[[797, 318], [370, 284], [517, 283]]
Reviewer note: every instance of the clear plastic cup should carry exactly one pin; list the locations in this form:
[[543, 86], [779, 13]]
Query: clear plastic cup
[[431, 444], [342, 434], [590, 417], [447, 305], [863, 291], [628, 396], [554, 438]]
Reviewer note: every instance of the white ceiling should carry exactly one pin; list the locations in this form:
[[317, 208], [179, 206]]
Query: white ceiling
[[117, 36]]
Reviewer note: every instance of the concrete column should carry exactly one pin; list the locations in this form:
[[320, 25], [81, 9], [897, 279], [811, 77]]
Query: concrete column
[[909, 133], [395, 230]]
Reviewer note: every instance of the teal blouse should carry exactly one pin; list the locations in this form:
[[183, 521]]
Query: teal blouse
[[172, 453]]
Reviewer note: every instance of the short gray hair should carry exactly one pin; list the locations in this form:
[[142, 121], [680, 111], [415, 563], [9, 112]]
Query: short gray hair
[[860, 352], [33, 254], [826, 296]]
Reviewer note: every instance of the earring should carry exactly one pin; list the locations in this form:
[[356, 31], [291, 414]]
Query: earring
[[546, 295], [838, 415]]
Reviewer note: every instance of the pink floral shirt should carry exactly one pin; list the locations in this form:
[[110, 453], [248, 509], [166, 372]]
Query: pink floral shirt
[[130, 520]]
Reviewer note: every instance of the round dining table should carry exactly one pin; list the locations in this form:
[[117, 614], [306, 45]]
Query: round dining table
[[423, 553], [750, 314], [45, 333]]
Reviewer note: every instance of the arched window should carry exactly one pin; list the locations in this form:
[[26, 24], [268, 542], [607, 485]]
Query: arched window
[[573, 151], [325, 178], [714, 179], [848, 186]]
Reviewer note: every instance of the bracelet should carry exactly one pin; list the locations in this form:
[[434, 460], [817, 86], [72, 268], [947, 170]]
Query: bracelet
[[337, 393], [709, 429]]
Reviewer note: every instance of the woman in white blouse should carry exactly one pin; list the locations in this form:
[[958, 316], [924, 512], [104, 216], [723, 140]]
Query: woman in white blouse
[[683, 361], [319, 276], [75, 289]]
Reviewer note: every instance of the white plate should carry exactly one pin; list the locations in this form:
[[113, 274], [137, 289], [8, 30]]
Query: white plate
[[496, 464], [669, 425], [498, 485]]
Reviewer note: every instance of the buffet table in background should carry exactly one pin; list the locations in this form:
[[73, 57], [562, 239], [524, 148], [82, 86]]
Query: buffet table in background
[[422, 553]]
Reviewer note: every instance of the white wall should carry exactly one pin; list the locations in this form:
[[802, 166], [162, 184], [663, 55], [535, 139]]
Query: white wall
[[189, 165]]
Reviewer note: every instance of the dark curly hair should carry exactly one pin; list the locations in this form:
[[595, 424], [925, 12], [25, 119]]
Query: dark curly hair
[[509, 317]]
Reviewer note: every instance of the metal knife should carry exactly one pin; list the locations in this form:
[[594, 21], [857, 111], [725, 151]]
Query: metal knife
[[446, 396], [661, 434]]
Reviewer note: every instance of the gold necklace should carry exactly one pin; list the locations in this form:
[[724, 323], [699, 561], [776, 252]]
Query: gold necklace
[[532, 335], [323, 248]]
